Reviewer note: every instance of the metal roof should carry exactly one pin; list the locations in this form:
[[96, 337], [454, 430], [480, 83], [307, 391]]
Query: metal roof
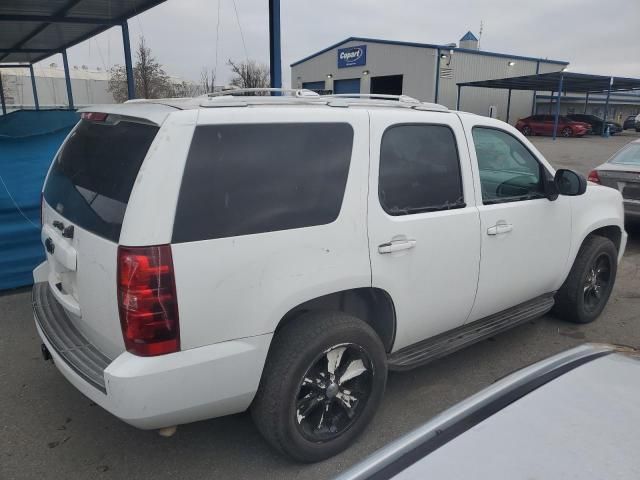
[[32, 30], [428, 45], [571, 82], [468, 36]]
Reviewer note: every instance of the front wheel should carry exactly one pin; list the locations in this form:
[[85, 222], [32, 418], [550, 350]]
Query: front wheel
[[587, 289], [567, 132], [526, 130], [322, 383]]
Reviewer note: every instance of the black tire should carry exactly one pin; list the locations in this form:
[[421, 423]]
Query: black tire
[[567, 132], [576, 300], [303, 346], [526, 131]]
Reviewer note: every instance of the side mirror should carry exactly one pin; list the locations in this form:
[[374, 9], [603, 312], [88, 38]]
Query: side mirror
[[569, 182]]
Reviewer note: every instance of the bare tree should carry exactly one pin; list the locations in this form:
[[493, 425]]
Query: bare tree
[[207, 80], [249, 74], [151, 81], [184, 89]]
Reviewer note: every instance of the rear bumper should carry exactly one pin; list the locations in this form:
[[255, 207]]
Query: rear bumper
[[155, 392]]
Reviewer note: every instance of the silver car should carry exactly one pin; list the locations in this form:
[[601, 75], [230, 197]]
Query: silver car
[[622, 172], [574, 415]]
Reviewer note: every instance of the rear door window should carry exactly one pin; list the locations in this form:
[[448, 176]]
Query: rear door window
[[419, 170], [253, 178], [93, 174]]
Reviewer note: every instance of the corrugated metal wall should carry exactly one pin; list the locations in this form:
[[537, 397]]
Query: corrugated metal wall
[[469, 67], [52, 91]]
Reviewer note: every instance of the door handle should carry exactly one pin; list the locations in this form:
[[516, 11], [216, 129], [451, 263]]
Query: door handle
[[396, 246], [499, 228]]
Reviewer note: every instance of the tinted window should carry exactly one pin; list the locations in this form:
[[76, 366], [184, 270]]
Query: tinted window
[[508, 171], [244, 179], [92, 177], [419, 170]]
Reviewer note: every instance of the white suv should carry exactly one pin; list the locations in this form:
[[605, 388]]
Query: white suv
[[210, 255]]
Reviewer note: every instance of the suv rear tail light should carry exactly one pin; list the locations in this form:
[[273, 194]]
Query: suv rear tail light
[[594, 177], [147, 300]]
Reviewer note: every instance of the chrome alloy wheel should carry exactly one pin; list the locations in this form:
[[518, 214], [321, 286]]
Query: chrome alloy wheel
[[333, 392], [596, 282]]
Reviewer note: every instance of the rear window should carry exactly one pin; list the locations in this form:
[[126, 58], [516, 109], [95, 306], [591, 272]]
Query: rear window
[[254, 178], [93, 174], [629, 155]]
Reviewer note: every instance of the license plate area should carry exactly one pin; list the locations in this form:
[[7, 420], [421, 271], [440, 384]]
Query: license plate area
[[631, 191]]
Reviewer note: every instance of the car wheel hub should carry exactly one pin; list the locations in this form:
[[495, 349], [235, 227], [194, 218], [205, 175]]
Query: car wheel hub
[[333, 392], [596, 282]]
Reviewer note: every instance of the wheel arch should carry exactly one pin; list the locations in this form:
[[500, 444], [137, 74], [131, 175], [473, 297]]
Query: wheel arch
[[373, 306], [610, 230]]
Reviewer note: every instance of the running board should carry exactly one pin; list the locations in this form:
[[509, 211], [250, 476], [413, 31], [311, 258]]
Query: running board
[[448, 342]]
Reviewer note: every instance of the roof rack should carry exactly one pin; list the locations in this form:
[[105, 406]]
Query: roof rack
[[240, 97], [296, 92], [376, 96], [378, 99]]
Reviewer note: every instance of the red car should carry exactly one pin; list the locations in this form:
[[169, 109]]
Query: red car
[[543, 125]]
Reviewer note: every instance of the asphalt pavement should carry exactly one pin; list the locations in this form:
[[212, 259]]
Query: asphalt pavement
[[50, 430]]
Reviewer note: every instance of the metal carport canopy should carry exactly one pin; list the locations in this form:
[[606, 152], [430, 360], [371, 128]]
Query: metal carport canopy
[[559, 82], [548, 82], [32, 30]]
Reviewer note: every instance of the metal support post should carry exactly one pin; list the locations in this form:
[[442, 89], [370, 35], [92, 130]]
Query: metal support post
[[67, 79], [131, 84], [275, 68]]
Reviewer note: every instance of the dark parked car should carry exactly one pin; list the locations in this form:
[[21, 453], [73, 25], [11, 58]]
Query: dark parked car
[[629, 123], [543, 125], [596, 123]]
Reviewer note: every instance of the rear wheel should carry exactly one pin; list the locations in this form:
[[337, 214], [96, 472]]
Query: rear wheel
[[566, 132], [526, 130], [322, 383], [590, 282]]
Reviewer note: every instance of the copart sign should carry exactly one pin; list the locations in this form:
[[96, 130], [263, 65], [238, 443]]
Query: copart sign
[[352, 56]]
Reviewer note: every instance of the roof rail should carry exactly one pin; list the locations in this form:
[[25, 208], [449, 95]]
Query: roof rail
[[374, 96], [296, 92], [240, 98]]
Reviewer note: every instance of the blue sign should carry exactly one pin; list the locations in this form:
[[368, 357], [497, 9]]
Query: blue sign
[[352, 56]]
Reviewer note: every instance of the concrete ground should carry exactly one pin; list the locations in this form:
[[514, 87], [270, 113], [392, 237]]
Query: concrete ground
[[49, 430]]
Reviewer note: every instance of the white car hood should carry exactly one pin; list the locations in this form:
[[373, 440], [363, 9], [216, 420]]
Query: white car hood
[[582, 425]]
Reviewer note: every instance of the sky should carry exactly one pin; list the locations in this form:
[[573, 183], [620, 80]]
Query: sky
[[595, 36]]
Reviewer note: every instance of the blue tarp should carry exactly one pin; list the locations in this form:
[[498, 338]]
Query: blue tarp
[[28, 142]]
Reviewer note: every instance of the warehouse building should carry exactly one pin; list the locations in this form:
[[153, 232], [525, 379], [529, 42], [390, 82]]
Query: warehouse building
[[424, 71]]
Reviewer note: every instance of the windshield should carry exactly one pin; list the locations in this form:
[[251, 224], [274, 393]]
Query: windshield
[[629, 155], [92, 177]]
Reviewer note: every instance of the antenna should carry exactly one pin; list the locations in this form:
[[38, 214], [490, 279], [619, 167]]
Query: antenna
[[480, 33]]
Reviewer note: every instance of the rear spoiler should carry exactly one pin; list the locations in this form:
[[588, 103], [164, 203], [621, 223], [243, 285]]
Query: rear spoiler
[[154, 113]]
